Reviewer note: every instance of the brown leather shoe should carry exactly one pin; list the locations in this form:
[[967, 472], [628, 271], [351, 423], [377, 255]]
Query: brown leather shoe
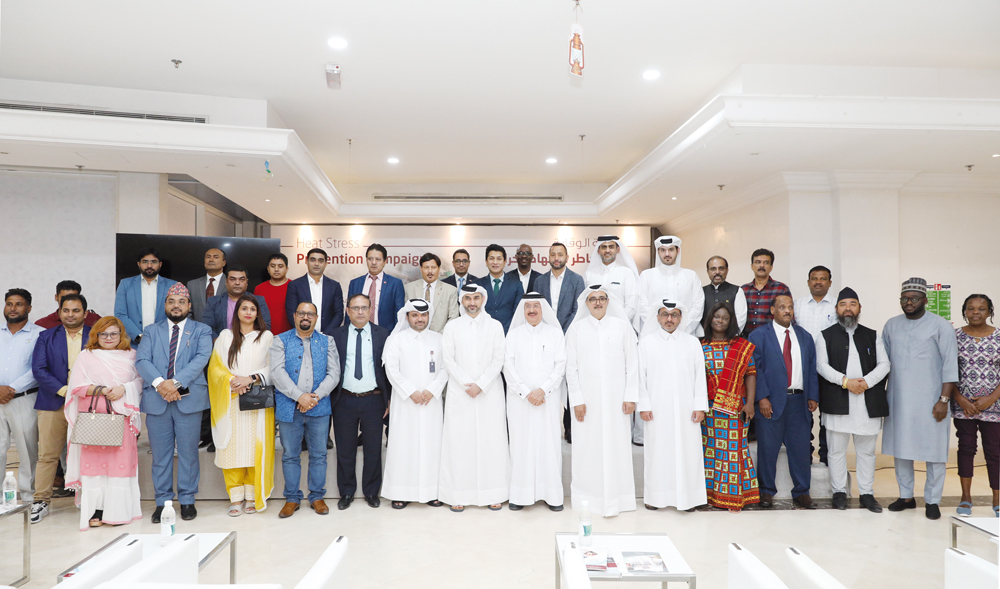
[[766, 501], [804, 501], [319, 506], [288, 509]]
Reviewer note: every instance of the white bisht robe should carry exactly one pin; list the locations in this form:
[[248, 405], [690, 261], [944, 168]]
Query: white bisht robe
[[475, 458], [602, 373], [536, 358], [413, 451], [672, 386]]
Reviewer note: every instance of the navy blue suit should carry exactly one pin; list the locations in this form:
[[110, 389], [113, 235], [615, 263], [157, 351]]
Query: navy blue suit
[[572, 287], [453, 280], [128, 303], [178, 422], [350, 412], [789, 423], [501, 307], [515, 274], [391, 298], [50, 366], [332, 311], [217, 308]]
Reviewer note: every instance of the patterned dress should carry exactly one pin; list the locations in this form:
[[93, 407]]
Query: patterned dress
[[978, 372], [730, 477]]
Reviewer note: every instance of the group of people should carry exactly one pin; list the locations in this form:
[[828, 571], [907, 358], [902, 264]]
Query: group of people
[[474, 382]]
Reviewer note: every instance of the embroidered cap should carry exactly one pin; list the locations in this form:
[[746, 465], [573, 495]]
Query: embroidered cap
[[178, 290], [915, 285]]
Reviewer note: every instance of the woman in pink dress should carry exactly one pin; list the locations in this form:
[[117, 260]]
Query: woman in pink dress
[[105, 478]]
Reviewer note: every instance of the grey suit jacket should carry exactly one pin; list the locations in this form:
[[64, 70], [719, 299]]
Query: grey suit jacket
[[445, 301], [572, 286], [197, 288]]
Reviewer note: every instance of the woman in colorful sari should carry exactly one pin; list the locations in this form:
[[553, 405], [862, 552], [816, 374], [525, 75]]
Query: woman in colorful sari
[[244, 440], [105, 478], [730, 477]]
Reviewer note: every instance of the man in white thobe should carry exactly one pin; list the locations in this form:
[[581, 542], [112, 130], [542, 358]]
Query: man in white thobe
[[612, 267], [673, 399], [413, 364], [602, 376], [534, 368], [475, 457]]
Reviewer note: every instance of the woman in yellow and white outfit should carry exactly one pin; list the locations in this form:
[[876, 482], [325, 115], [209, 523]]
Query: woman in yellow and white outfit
[[244, 440]]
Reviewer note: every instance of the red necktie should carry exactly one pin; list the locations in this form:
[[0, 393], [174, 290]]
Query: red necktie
[[786, 352], [210, 291], [374, 303]]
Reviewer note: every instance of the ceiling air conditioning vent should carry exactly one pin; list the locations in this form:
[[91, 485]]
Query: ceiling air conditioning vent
[[468, 197], [101, 113]]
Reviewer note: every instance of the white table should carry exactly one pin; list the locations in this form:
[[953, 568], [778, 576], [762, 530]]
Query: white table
[[25, 509], [678, 570], [985, 526], [209, 546]]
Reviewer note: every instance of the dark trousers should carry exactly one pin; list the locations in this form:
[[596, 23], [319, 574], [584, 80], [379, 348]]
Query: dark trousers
[[965, 431], [823, 450], [792, 430], [349, 413]]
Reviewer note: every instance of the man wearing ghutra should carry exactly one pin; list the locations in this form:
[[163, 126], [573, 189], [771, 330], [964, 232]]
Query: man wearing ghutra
[[535, 365], [673, 399], [613, 268], [413, 364], [668, 280], [475, 457], [602, 377]]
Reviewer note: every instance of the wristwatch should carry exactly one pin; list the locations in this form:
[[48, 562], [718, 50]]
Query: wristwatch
[[944, 400]]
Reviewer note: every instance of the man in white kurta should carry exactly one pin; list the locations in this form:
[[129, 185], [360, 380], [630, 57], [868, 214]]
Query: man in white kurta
[[413, 364], [673, 399], [475, 458], [668, 280], [612, 267], [602, 376], [534, 368]]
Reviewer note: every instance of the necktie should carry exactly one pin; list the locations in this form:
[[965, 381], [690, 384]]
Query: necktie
[[427, 292], [786, 351], [210, 291], [496, 287], [374, 303], [358, 374], [173, 351], [461, 283]]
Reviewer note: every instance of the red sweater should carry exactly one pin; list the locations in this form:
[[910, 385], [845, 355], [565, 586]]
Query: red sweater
[[275, 298], [50, 321]]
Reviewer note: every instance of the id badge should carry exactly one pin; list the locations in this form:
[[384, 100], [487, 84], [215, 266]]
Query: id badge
[[432, 366]]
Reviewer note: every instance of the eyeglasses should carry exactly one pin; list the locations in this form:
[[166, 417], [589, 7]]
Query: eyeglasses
[[109, 334], [916, 299], [523, 254], [309, 314], [598, 300], [358, 309]]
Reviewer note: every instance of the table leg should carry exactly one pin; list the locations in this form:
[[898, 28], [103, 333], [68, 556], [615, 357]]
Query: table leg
[[26, 562], [232, 562], [954, 535], [558, 572]]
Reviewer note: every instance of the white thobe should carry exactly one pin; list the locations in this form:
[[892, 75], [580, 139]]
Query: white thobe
[[672, 386], [413, 452], [620, 281], [475, 458], [857, 420], [536, 359], [677, 284], [602, 373]]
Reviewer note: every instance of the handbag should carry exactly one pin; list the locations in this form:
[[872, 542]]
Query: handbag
[[258, 397], [99, 429]]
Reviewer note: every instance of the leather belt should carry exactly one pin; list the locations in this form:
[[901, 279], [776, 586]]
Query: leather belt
[[23, 393], [793, 391], [364, 394]]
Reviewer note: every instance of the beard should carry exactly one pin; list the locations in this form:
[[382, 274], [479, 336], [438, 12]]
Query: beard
[[847, 321]]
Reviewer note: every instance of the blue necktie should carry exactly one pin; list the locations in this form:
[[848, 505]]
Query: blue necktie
[[496, 287], [173, 351], [358, 374]]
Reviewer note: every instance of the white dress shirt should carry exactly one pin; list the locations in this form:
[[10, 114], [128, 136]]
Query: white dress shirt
[[148, 291], [815, 317], [180, 334], [461, 281], [780, 331], [428, 292], [215, 281], [525, 278], [316, 295], [555, 287], [857, 420], [378, 294]]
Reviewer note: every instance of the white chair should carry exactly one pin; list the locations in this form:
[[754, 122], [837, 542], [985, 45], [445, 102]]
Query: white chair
[[106, 566], [574, 570], [747, 572], [803, 573], [967, 571], [330, 571], [175, 563]]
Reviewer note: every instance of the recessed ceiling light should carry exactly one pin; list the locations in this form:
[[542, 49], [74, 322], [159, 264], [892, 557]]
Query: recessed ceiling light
[[673, 198], [393, 160], [551, 160], [267, 200], [651, 74], [337, 43], [996, 155]]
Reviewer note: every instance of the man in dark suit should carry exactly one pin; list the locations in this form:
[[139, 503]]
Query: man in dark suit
[[319, 290], [460, 262], [503, 293], [523, 272], [787, 392], [384, 291], [211, 284], [55, 353], [220, 308], [362, 399], [171, 359]]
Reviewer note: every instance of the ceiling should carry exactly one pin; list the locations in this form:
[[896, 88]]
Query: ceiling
[[478, 92]]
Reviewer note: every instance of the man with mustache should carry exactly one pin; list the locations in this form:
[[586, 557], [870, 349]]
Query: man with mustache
[[719, 290], [139, 300]]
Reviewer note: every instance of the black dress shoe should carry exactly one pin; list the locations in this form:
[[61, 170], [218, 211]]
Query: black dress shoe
[[766, 501], [156, 514], [869, 503], [555, 507], [840, 500], [901, 504], [932, 511], [514, 507], [372, 500], [204, 443], [345, 502], [329, 444], [211, 447], [188, 512], [637, 444]]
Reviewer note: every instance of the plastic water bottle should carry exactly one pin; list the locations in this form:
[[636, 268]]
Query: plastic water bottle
[[9, 490], [167, 520], [586, 531]]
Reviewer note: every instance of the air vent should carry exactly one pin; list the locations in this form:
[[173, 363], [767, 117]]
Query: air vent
[[100, 113], [467, 197]]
